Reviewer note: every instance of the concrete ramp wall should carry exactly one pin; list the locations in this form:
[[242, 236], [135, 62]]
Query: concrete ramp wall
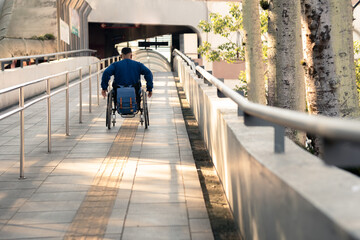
[[20, 20], [16, 76], [272, 196]]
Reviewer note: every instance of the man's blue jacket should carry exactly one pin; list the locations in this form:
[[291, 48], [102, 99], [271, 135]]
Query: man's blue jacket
[[127, 72]]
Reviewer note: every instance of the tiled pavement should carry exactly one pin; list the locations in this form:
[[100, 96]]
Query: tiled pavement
[[88, 188]]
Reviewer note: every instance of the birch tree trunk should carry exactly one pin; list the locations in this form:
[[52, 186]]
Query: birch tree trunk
[[253, 52], [341, 17], [285, 53], [329, 59]]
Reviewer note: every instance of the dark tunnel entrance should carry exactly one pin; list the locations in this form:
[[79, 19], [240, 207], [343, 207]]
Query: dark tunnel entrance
[[104, 36]]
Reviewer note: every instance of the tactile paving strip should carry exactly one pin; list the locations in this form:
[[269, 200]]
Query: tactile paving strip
[[91, 219]]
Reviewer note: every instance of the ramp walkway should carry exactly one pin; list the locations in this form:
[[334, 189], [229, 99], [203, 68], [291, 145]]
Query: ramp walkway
[[123, 183]]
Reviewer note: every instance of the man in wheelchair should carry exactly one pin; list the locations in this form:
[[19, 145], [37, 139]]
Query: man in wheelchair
[[127, 73]]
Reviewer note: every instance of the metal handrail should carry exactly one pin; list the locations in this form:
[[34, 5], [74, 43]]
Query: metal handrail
[[187, 60], [100, 67], [332, 130], [4, 61]]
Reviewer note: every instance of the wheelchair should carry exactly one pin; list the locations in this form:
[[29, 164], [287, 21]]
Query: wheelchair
[[111, 110]]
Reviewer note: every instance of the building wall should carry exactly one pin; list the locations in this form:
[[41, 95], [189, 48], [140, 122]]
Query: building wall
[[21, 20], [32, 18], [155, 12]]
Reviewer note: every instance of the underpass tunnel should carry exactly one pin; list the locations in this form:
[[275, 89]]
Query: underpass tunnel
[[153, 60], [104, 36]]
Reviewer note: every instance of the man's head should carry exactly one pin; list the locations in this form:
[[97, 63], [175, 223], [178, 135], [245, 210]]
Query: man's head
[[126, 53]]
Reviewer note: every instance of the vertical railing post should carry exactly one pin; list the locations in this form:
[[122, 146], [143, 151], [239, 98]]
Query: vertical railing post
[[67, 113], [97, 84], [80, 96], [90, 103], [22, 135], [48, 113]]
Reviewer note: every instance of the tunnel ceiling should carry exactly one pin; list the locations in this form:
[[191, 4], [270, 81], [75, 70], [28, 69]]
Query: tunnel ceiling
[[103, 36]]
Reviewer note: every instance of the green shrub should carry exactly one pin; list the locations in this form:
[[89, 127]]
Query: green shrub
[[47, 36]]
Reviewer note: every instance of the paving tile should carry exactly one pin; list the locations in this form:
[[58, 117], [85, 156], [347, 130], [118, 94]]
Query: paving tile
[[157, 233], [19, 185], [32, 170], [157, 161], [197, 202], [72, 168], [166, 214], [30, 218], [202, 236], [12, 202], [52, 206], [74, 179], [60, 196], [6, 214], [198, 213], [13, 194], [200, 225], [116, 222], [38, 231], [56, 188], [148, 197], [112, 236], [12, 176]]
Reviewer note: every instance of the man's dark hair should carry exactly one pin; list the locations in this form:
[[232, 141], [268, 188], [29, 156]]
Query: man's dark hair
[[126, 50]]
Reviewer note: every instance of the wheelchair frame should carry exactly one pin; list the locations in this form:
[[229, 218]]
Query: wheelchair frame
[[111, 110]]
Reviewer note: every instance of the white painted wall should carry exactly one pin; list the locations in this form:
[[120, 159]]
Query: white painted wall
[[167, 12], [189, 44]]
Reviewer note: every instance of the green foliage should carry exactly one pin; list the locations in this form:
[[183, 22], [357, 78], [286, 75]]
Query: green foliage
[[264, 19], [224, 26], [243, 83], [47, 36], [264, 4], [357, 64]]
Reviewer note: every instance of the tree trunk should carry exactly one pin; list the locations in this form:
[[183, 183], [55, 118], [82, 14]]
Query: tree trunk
[[286, 75], [343, 45], [253, 52], [329, 61], [329, 58]]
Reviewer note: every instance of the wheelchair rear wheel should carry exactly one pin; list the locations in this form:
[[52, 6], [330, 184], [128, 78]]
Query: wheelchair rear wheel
[[145, 109], [110, 110]]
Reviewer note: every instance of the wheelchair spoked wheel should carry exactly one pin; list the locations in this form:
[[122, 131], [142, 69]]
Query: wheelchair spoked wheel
[[145, 111], [110, 110]]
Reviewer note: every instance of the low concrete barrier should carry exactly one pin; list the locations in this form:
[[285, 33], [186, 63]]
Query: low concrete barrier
[[12, 77], [293, 195]]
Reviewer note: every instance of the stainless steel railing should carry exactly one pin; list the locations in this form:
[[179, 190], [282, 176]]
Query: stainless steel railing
[[44, 57], [100, 67], [341, 137]]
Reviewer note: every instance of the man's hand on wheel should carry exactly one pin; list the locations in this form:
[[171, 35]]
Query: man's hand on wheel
[[149, 94], [103, 93]]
